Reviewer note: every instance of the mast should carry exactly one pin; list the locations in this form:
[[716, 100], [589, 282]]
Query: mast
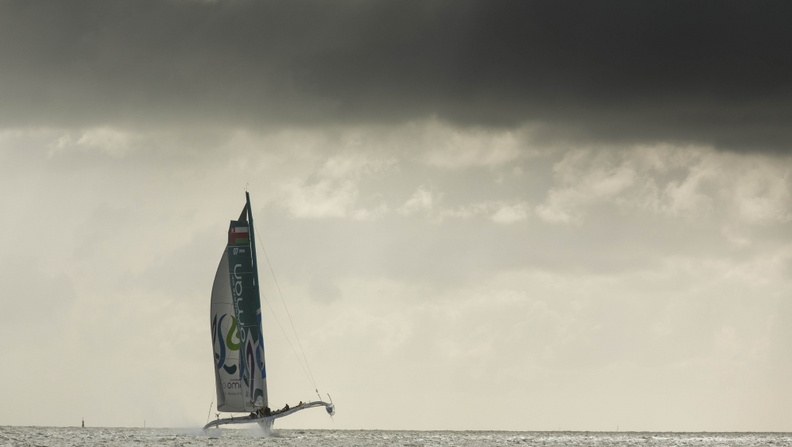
[[252, 245], [260, 362]]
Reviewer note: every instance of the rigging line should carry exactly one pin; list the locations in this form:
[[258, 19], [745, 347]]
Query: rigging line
[[291, 322], [208, 415], [280, 325], [283, 301], [286, 336]]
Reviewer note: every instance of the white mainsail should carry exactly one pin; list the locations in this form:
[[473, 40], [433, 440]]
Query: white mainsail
[[233, 394]]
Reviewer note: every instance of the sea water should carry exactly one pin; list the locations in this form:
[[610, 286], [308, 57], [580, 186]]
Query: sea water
[[145, 437]]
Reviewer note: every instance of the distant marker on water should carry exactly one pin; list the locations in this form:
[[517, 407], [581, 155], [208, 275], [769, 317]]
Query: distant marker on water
[[83, 423]]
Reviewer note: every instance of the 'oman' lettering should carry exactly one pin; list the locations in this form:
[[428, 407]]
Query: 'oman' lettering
[[237, 282], [238, 289]]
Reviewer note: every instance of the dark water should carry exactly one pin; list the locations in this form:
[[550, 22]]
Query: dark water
[[142, 437]]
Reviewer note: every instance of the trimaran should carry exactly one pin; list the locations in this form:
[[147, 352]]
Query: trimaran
[[237, 340]]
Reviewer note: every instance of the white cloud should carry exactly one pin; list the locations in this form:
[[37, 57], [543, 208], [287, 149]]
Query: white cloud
[[501, 212], [455, 148], [333, 190], [421, 200], [510, 213], [110, 141], [586, 177], [498, 211], [689, 196], [354, 166], [763, 193], [323, 199], [690, 183], [553, 214], [467, 211], [374, 213]]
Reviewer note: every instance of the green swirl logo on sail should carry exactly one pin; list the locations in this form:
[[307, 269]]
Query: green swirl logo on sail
[[224, 343], [230, 336]]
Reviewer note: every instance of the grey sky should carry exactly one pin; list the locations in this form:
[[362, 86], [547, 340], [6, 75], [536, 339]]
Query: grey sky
[[483, 215], [710, 72]]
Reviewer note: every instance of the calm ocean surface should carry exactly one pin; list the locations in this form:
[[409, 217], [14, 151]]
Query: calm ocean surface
[[142, 437]]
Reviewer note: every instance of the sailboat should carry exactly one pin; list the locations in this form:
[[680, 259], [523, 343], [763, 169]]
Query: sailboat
[[237, 338]]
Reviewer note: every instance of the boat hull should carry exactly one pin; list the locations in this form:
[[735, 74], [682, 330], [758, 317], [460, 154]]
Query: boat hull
[[265, 422]]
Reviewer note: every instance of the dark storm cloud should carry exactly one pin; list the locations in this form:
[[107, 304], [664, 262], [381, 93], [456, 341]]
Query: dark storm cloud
[[707, 72]]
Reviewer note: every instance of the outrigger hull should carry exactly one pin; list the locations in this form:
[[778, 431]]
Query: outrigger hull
[[266, 422]]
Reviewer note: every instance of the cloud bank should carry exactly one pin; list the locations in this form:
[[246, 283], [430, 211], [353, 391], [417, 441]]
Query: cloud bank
[[712, 73]]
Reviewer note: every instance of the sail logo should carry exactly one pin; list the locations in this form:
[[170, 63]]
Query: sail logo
[[237, 289], [237, 297], [223, 336]]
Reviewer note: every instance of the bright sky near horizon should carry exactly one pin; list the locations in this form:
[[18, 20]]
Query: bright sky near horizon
[[481, 214]]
